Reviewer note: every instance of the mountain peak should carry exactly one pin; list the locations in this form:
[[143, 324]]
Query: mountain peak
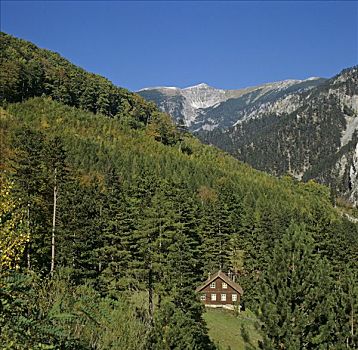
[[313, 78], [158, 88], [199, 86], [194, 87]]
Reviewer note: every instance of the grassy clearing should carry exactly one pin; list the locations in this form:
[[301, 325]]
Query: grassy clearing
[[228, 331]]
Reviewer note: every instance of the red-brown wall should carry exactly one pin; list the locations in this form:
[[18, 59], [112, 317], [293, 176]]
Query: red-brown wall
[[218, 290]]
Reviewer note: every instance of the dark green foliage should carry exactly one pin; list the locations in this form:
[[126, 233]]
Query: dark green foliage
[[119, 215], [80, 231], [173, 329], [54, 314], [23, 322], [39, 165], [345, 311], [298, 300], [142, 217], [217, 226]]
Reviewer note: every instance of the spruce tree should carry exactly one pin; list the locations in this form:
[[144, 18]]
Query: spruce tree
[[295, 298], [216, 228], [31, 175], [120, 218], [345, 311]]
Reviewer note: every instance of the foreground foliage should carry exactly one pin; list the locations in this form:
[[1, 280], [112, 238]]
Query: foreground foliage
[[300, 302], [55, 314], [143, 207]]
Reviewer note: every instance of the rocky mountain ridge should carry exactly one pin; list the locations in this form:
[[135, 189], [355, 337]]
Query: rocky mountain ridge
[[310, 135], [203, 107]]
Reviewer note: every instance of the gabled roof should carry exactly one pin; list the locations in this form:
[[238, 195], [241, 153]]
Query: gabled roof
[[225, 278]]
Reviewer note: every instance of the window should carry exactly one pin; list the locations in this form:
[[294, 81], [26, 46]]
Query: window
[[213, 297], [223, 297], [212, 285], [234, 297], [203, 297], [224, 285]]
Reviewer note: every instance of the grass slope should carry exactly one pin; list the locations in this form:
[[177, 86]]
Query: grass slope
[[231, 332]]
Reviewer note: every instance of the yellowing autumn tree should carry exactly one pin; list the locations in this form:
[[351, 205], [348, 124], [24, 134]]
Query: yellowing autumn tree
[[14, 231]]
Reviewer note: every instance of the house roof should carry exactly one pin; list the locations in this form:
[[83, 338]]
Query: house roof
[[225, 278]]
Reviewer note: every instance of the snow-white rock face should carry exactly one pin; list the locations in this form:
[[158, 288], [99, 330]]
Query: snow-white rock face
[[191, 99], [352, 126], [349, 105], [198, 97], [341, 166], [353, 178]]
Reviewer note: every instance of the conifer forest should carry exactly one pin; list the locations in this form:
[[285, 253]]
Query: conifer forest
[[112, 214]]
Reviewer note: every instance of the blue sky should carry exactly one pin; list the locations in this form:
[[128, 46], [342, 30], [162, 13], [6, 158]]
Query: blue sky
[[225, 44]]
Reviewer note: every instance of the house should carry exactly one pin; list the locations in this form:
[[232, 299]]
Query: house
[[219, 290]]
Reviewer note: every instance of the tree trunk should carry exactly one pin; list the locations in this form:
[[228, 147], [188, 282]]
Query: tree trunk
[[53, 225], [352, 318], [28, 244], [150, 293]]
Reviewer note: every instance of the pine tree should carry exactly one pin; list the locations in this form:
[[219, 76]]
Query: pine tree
[[80, 230], [344, 311], [174, 329], [295, 295], [183, 267], [120, 218], [31, 176], [216, 228], [250, 244]]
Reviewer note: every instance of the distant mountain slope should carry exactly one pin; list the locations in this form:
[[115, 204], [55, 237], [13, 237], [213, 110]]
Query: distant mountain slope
[[203, 107], [311, 135]]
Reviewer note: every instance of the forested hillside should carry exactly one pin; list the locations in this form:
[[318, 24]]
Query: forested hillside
[[110, 218], [28, 71]]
